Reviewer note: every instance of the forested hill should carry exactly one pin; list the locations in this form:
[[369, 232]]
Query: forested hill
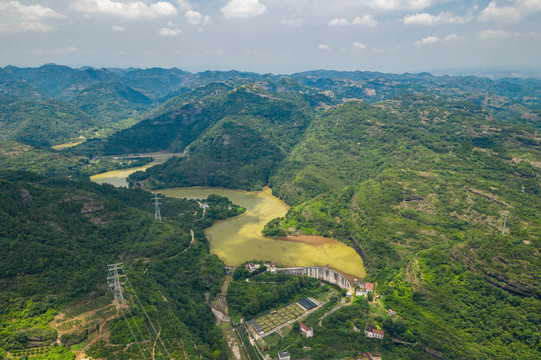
[[57, 237], [421, 184], [109, 100], [248, 133], [418, 172]]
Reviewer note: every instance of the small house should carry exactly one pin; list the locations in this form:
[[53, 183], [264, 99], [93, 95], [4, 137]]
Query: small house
[[360, 292], [392, 312], [273, 268], [250, 267], [306, 331], [369, 286], [283, 355], [373, 333]]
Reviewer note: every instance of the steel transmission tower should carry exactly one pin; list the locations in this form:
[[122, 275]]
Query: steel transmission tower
[[113, 281], [505, 213], [157, 214]]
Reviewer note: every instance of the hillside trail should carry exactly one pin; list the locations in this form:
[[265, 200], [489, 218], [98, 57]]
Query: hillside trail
[[154, 345]]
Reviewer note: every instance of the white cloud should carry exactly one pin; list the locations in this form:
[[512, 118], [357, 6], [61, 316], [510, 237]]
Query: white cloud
[[366, 20], [28, 12], [68, 50], [129, 9], [509, 11], [36, 26], [323, 47], [358, 45], [427, 40], [451, 37], [493, 34], [242, 9], [184, 5], [196, 18], [391, 5], [441, 18], [118, 28], [167, 31], [15, 16], [292, 22]]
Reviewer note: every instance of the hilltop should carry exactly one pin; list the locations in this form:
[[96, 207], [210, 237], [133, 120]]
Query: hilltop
[[417, 172]]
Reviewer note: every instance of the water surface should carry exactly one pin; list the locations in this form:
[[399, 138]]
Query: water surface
[[239, 239], [118, 177]]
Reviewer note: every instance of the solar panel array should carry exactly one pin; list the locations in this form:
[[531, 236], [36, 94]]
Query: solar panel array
[[307, 303]]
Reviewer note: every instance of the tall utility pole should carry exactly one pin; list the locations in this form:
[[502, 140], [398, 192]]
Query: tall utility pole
[[505, 213], [157, 214], [113, 282]]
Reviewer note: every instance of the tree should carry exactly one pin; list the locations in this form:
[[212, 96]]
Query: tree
[[370, 296], [296, 327]]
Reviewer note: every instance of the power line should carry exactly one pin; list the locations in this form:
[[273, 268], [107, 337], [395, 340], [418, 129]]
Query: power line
[[505, 213], [148, 318], [113, 283], [157, 214]]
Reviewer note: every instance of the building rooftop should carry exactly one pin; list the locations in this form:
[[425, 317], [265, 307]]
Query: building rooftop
[[304, 327], [369, 286]]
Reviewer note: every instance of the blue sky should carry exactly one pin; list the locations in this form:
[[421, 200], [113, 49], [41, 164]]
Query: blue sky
[[278, 36]]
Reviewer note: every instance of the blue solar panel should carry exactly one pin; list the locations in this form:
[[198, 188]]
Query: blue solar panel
[[307, 303]]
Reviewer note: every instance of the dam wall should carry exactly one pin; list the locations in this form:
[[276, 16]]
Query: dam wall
[[320, 273]]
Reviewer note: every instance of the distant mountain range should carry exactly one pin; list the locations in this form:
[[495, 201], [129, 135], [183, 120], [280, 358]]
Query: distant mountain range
[[417, 172]]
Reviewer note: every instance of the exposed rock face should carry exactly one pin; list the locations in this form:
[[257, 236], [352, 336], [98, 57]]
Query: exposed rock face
[[25, 195], [495, 278]]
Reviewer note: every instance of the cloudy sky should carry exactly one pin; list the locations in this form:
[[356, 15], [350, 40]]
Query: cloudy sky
[[278, 36]]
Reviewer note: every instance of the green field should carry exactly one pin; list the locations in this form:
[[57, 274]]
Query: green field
[[279, 317]]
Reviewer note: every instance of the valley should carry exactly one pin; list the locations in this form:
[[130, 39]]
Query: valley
[[239, 239], [425, 189]]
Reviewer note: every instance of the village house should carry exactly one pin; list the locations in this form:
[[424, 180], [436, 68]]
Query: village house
[[229, 269], [284, 355], [273, 268], [250, 267], [364, 289], [306, 331], [373, 333], [392, 312]]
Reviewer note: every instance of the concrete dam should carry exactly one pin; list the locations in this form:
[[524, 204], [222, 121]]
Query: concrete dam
[[320, 273]]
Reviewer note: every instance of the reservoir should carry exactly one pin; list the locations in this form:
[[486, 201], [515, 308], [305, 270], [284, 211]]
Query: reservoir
[[239, 239], [118, 177]]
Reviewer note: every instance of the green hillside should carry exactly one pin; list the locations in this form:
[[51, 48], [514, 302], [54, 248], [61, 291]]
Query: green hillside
[[243, 148], [426, 189], [44, 123], [419, 173], [44, 161], [111, 102], [58, 237]]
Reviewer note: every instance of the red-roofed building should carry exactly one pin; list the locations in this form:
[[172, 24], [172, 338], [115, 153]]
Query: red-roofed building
[[364, 289], [369, 286], [306, 331], [373, 333], [368, 356], [250, 266]]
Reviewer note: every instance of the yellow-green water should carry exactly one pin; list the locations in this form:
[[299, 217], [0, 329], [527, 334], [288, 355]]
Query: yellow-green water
[[66, 145], [118, 177], [239, 239]]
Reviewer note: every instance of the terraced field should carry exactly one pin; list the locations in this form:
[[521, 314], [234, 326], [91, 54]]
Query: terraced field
[[279, 317]]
